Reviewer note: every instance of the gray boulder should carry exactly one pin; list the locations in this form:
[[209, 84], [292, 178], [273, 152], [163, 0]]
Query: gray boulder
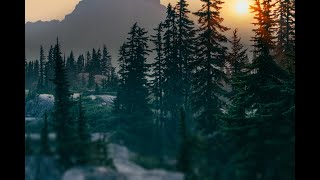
[[39, 105], [92, 173]]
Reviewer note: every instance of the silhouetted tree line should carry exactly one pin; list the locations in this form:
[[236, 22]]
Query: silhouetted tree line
[[39, 74], [223, 115]]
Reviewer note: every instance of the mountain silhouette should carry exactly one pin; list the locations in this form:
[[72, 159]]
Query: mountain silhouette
[[92, 24]]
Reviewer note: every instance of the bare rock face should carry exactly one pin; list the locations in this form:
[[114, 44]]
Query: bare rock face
[[121, 160], [125, 169], [39, 105], [92, 24], [92, 173], [46, 168]]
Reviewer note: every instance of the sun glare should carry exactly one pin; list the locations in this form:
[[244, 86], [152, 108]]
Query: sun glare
[[242, 7]]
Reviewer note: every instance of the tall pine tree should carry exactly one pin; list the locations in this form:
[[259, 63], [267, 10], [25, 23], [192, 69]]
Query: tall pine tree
[[49, 71], [80, 64], [41, 70], [261, 119], [132, 103], [84, 137], [183, 163], [285, 46], [106, 64], [64, 124], [135, 81], [71, 69], [208, 67], [173, 94], [185, 45], [158, 70]]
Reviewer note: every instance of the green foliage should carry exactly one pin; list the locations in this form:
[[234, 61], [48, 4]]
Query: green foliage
[[263, 139], [82, 145], [45, 146], [183, 163], [133, 92], [40, 85], [249, 136], [172, 72], [91, 81], [208, 67], [64, 123], [157, 84]]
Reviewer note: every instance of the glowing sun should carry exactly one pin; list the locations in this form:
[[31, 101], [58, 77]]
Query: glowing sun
[[242, 6]]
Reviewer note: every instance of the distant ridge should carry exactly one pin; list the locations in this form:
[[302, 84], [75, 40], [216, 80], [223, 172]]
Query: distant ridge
[[92, 24]]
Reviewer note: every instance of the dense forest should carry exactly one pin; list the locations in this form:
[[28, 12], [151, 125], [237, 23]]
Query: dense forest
[[215, 112]]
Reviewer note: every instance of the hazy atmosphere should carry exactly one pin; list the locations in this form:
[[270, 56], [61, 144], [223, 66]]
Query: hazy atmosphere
[[47, 10], [146, 90]]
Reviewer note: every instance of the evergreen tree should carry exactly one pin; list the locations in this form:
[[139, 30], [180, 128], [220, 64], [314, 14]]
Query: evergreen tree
[[260, 124], [64, 125], [158, 70], [208, 67], [95, 62], [237, 60], [80, 64], [135, 73], [83, 81], [71, 69], [29, 75], [45, 147], [84, 137], [49, 70], [132, 103], [98, 62], [123, 63], [106, 64], [46, 78], [185, 45], [238, 68], [36, 70], [88, 62], [113, 79], [41, 70], [285, 46], [91, 80], [173, 95], [183, 163], [26, 74]]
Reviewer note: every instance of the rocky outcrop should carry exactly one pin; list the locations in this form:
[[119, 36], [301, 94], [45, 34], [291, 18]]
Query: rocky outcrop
[[121, 160], [92, 173], [37, 106], [92, 24]]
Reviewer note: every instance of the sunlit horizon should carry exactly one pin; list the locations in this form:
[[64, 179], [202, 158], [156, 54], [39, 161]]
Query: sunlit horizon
[[46, 10]]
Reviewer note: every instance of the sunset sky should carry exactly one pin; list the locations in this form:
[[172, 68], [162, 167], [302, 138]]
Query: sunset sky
[[235, 12]]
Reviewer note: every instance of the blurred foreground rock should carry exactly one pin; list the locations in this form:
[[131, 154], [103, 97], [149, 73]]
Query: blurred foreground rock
[[46, 168]]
